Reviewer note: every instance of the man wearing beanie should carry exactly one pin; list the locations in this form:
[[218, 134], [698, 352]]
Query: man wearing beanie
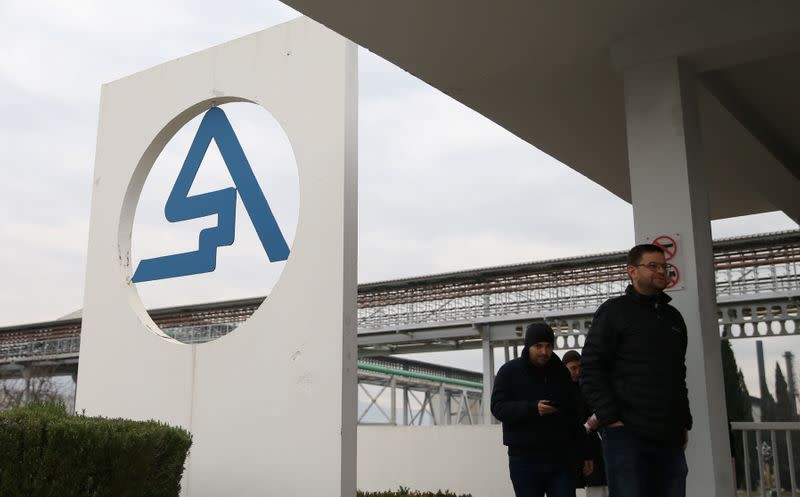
[[633, 374], [535, 400]]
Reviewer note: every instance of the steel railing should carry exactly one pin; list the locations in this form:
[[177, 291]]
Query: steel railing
[[775, 447]]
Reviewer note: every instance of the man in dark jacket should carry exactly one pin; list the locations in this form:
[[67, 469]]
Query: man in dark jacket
[[633, 374], [536, 402], [591, 473]]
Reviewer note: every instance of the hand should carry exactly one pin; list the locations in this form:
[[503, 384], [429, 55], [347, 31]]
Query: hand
[[545, 408], [616, 424], [685, 438], [591, 423], [588, 467]]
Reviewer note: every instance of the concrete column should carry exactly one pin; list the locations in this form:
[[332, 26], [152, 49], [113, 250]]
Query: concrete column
[[406, 407], [669, 193], [488, 381], [393, 402], [444, 408], [74, 389], [26, 390]]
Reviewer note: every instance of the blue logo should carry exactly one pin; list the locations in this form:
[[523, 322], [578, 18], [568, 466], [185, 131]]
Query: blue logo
[[181, 207]]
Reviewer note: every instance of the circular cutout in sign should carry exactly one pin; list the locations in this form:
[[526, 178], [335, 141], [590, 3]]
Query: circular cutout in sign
[[216, 218], [668, 245], [674, 276]]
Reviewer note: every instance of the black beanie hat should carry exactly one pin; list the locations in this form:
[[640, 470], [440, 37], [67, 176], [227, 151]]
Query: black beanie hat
[[570, 356], [538, 332]]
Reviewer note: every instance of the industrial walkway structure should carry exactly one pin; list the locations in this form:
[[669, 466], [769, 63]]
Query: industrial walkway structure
[[758, 295]]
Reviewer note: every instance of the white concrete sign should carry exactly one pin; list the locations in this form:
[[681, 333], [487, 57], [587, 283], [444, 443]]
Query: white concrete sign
[[271, 405]]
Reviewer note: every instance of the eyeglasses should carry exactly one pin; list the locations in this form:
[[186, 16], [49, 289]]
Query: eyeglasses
[[655, 266]]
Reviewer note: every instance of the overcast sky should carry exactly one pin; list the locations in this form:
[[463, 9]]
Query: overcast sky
[[440, 187]]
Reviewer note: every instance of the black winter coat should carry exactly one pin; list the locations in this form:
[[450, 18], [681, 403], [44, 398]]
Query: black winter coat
[[518, 388], [633, 367], [593, 450]]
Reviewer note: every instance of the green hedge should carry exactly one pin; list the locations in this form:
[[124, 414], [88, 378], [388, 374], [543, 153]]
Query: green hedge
[[406, 492], [44, 452]]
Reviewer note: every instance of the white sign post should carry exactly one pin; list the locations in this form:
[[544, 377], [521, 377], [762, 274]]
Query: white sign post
[[271, 405]]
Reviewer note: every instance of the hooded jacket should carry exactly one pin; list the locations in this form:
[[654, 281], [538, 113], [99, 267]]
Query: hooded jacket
[[633, 367], [518, 388]]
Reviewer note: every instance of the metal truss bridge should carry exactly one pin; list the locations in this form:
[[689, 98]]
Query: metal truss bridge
[[758, 295], [757, 281]]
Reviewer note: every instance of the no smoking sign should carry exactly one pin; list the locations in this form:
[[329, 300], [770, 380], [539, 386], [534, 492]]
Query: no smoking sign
[[670, 244], [674, 276]]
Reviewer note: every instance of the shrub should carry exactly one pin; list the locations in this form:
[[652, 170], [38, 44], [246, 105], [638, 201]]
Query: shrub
[[406, 492], [45, 452]]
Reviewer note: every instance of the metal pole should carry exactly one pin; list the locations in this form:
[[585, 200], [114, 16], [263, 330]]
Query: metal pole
[[789, 450], [488, 380], [760, 462], [444, 415], [469, 411], [421, 376], [429, 403], [26, 393], [449, 406], [393, 405], [74, 389], [405, 406], [748, 484], [775, 461]]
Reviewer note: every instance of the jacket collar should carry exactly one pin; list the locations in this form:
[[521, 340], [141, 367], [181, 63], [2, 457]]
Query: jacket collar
[[659, 298]]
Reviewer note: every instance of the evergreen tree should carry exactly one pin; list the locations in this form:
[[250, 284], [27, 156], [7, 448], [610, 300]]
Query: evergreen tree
[[746, 407], [783, 412], [737, 400], [737, 397], [768, 408]]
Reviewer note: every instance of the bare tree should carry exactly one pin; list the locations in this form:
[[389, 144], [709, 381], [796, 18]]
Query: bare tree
[[37, 384]]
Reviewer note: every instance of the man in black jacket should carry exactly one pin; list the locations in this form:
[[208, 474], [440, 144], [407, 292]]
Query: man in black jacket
[[633, 374], [534, 398], [591, 473]]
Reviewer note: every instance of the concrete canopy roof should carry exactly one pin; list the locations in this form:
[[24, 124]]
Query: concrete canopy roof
[[551, 73]]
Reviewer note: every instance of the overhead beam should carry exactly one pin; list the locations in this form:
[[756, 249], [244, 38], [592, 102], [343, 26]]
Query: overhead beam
[[752, 121], [718, 39], [771, 179]]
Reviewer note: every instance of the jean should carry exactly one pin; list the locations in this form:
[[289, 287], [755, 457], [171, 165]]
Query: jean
[[637, 468], [597, 491], [534, 477]]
